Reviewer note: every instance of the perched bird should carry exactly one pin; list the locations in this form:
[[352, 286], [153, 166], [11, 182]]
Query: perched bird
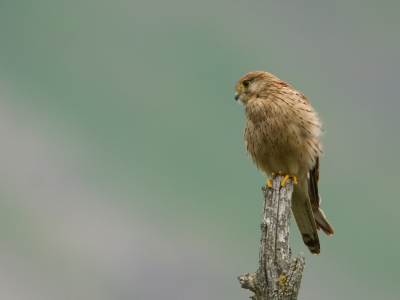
[[281, 136]]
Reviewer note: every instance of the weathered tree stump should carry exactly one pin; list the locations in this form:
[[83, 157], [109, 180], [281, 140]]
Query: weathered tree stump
[[276, 277]]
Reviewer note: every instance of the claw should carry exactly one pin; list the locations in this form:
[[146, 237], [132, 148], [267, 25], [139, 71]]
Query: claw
[[287, 176], [269, 183]]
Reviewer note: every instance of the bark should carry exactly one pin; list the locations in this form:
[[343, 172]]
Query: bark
[[277, 277]]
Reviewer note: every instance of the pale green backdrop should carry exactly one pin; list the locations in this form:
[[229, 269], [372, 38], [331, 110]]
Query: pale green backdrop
[[123, 172]]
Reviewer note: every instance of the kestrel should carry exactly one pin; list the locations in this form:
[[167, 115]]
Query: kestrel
[[281, 136]]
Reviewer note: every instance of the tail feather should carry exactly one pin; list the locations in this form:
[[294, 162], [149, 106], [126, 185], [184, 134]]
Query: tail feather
[[304, 217], [305, 206], [322, 222]]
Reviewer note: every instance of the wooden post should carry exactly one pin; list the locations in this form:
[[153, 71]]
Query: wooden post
[[276, 277]]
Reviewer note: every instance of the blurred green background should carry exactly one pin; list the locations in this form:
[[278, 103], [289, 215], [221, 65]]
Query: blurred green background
[[123, 172]]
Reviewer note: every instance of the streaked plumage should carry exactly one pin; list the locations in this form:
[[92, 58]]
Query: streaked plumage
[[281, 134]]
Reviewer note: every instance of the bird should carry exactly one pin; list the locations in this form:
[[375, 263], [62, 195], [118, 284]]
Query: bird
[[282, 137]]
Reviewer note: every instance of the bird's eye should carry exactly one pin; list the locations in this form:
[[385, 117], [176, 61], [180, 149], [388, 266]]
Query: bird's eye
[[245, 83]]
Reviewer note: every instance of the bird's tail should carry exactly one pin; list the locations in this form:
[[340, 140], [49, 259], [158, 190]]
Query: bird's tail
[[303, 214], [322, 222]]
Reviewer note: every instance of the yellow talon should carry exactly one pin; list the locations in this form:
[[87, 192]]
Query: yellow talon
[[287, 176]]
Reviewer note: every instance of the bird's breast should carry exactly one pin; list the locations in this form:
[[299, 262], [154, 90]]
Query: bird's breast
[[276, 143]]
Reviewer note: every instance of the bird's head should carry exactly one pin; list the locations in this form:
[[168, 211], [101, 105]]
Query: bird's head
[[251, 84]]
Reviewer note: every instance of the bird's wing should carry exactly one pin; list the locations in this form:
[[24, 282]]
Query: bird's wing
[[315, 199], [313, 179]]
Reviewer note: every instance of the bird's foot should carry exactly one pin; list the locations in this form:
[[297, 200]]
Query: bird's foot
[[287, 176], [269, 181]]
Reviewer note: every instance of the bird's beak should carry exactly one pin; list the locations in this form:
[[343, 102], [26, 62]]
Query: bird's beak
[[237, 95]]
